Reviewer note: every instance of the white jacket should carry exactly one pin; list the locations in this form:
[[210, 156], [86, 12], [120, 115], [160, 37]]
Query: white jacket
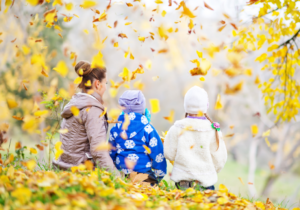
[[194, 151]]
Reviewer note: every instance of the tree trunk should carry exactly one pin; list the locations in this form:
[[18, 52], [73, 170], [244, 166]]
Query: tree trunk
[[252, 167], [269, 183]]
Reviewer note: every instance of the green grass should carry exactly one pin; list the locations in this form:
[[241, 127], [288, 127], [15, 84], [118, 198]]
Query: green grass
[[282, 191]]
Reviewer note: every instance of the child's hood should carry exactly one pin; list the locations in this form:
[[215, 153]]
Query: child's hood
[[137, 122], [194, 124]]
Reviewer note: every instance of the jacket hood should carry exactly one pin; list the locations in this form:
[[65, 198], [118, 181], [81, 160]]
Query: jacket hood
[[81, 101], [194, 124]]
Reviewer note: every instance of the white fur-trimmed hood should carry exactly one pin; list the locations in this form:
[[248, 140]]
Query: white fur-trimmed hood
[[194, 124]]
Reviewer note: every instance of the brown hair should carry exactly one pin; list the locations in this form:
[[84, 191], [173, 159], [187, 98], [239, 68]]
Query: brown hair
[[217, 134], [89, 73]]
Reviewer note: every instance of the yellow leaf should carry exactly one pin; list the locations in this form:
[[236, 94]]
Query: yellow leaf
[[222, 200], [30, 164], [202, 79], [26, 50], [170, 118], [63, 131], [55, 2], [262, 57], [88, 4], [163, 13], [61, 68], [22, 194], [218, 104], [88, 83], [113, 92], [128, 23], [186, 11], [86, 31], [57, 27], [267, 133], [78, 80], [241, 180], [254, 130], [257, 80], [104, 40], [199, 54], [98, 61], [235, 89], [191, 24], [141, 38], [104, 112], [126, 74], [223, 188], [155, 108], [116, 44], [131, 56], [69, 6], [58, 145], [11, 103], [159, 2], [267, 142], [75, 111], [273, 47], [31, 2], [33, 151], [40, 113], [148, 64], [104, 146], [148, 150], [126, 122]]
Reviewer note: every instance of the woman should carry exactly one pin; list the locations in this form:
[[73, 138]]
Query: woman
[[88, 129]]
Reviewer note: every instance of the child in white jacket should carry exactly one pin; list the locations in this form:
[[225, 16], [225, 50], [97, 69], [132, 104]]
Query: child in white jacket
[[195, 144]]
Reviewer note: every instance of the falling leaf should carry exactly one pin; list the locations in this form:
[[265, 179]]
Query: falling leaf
[[75, 111], [126, 122], [11, 103], [141, 38], [271, 166], [202, 67], [163, 13], [254, 130], [267, 133], [88, 4], [267, 142], [158, 1], [104, 112], [41, 113], [155, 108], [250, 183], [207, 6], [199, 54], [18, 118], [69, 6], [229, 135], [98, 61], [115, 24], [241, 180], [33, 151], [116, 44], [170, 118], [61, 68], [218, 104], [63, 131], [104, 146], [40, 147], [78, 80], [148, 150], [235, 89], [86, 31], [122, 35], [162, 51], [234, 26], [221, 28], [170, 3], [129, 4], [202, 79]]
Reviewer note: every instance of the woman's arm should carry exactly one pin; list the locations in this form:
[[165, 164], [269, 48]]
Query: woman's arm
[[170, 144], [96, 132], [219, 156]]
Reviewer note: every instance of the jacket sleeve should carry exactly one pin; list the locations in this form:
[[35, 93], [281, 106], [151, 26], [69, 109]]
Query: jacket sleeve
[[219, 156], [170, 144], [96, 133], [113, 152], [159, 163]]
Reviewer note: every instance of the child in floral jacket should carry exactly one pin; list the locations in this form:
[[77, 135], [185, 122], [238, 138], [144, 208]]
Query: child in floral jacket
[[140, 143]]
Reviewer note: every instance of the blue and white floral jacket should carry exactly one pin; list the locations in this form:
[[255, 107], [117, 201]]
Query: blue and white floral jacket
[[140, 132]]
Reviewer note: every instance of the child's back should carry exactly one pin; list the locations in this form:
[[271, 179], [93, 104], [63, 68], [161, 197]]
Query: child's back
[[130, 144], [192, 144]]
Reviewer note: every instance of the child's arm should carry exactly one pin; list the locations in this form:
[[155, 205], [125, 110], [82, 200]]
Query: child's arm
[[170, 144], [159, 163], [113, 152], [219, 156]]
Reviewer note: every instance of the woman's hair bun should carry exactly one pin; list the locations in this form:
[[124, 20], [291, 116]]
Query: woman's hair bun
[[85, 66]]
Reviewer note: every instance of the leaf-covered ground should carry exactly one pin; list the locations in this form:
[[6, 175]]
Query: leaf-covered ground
[[83, 189]]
